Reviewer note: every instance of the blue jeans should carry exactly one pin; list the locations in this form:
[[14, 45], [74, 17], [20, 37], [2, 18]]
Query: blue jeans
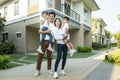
[[61, 48], [43, 36]]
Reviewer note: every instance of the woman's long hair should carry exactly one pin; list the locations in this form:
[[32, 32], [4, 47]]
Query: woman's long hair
[[59, 20]]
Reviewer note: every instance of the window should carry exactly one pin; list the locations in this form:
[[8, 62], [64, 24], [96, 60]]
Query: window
[[100, 28], [67, 9], [5, 11], [50, 1], [32, 2], [18, 35], [5, 36], [87, 16], [16, 8]]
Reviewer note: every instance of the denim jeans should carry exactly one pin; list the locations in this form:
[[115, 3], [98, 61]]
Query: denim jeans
[[43, 36], [61, 52]]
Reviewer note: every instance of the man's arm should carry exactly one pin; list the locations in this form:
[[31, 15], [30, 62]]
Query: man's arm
[[44, 32]]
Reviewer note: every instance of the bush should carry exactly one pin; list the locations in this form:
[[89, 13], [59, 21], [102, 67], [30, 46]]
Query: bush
[[6, 48], [97, 46], [4, 61], [114, 56], [84, 49]]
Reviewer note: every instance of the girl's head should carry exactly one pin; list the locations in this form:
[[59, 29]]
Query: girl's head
[[44, 14], [58, 22]]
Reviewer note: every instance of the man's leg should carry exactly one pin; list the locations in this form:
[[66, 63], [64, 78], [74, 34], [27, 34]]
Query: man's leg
[[39, 58]]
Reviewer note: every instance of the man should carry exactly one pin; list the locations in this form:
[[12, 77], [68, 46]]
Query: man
[[51, 18]]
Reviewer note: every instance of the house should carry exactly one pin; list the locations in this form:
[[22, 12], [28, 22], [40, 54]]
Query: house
[[98, 31], [23, 20]]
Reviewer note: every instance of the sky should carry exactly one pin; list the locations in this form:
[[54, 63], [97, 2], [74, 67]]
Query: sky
[[109, 9]]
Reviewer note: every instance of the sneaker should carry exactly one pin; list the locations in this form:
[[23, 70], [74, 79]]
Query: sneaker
[[37, 73], [63, 72], [39, 50], [50, 72], [55, 75], [73, 50], [50, 48]]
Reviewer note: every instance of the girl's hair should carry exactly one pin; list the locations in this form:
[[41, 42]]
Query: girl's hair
[[59, 20], [45, 12]]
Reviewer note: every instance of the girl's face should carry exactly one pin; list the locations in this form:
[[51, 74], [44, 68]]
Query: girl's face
[[44, 15], [58, 23]]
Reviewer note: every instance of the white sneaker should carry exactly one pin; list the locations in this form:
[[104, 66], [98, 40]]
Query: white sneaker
[[72, 52], [63, 72], [55, 75], [50, 72], [37, 73], [39, 50], [50, 48]]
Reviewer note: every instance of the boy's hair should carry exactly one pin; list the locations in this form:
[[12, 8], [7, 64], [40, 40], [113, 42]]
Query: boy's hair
[[52, 13], [66, 18], [44, 12]]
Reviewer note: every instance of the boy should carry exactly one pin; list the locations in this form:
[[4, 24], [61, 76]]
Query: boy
[[65, 28], [45, 26]]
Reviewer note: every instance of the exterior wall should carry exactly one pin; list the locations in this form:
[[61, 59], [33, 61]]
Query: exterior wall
[[33, 9], [10, 7], [20, 44], [32, 39]]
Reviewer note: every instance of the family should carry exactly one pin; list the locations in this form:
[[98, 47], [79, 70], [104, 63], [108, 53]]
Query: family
[[52, 30]]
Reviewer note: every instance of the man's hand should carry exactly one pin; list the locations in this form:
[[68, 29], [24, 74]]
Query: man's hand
[[44, 32]]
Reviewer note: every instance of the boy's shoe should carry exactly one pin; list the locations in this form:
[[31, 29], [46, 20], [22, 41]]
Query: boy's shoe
[[55, 75], [50, 72], [73, 50], [63, 72], [50, 48], [37, 73], [39, 50]]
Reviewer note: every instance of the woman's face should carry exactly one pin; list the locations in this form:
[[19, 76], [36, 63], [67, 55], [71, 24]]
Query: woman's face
[[57, 23]]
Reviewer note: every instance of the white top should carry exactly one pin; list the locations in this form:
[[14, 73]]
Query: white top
[[58, 35], [51, 27], [45, 23], [66, 26]]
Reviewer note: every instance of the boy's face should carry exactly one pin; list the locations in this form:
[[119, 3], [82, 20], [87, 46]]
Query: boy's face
[[65, 20]]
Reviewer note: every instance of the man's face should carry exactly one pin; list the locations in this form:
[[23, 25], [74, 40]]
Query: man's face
[[51, 17]]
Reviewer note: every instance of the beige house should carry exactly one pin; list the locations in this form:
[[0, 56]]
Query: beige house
[[98, 31], [23, 21]]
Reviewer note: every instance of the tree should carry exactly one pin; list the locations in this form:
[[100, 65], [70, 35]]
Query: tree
[[2, 22], [107, 34], [117, 37]]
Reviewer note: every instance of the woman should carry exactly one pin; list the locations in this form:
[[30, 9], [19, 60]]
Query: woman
[[61, 47]]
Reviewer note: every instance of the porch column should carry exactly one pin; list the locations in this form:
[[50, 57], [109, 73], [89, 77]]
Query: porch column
[[77, 36], [88, 38]]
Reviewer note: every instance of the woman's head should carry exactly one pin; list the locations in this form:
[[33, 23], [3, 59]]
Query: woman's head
[[58, 22]]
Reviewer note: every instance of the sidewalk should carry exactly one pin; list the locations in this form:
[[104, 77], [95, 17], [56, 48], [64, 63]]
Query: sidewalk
[[91, 68]]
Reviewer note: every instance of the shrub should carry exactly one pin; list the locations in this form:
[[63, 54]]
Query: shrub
[[97, 46], [6, 48], [84, 49], [4, 61], [114, 56]]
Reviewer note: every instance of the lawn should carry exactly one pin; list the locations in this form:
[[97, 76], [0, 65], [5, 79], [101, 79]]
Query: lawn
[[29, 59]]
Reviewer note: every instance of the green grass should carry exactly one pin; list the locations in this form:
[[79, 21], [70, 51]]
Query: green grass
[[33, 58]]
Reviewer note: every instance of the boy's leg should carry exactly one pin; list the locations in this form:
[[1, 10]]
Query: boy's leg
[[50, 42]]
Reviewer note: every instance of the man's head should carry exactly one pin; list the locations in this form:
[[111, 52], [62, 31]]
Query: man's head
[[65, 19], [51, 16]]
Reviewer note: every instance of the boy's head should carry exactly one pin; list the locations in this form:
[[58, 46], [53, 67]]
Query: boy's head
[[44, 13], [65, 19]]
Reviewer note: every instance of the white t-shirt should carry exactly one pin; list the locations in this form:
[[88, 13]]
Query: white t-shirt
[[66, 26], [45, 23], [58, 35], [51, 27]]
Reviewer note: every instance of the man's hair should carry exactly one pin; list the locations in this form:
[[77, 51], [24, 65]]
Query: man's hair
[[52, 13], [66, 18]]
